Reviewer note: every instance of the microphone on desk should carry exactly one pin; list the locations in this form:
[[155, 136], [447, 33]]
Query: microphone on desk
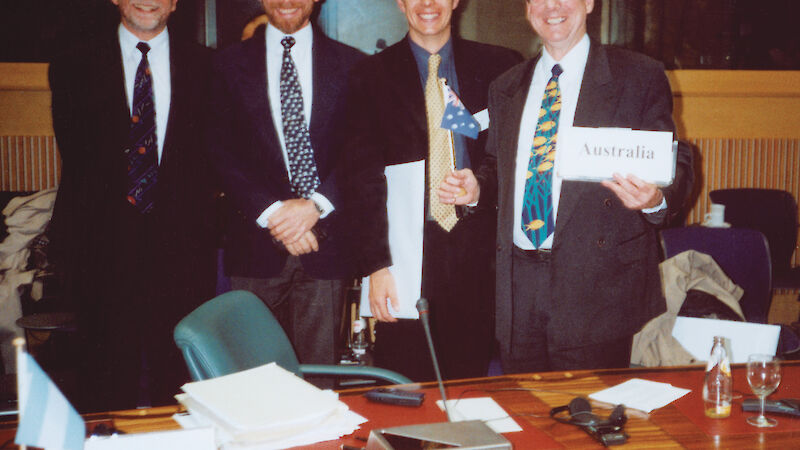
[[467, 435], [422, 307]]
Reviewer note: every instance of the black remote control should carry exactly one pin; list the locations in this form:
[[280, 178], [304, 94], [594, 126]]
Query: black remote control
[[394, 396], [786, 406]]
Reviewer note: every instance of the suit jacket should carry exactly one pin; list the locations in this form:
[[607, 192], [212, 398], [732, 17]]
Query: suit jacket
[[604, 270], [97, 242], [249, 159], [389, 126]]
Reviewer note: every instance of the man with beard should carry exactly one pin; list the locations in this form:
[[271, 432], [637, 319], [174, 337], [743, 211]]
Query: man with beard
[[275, 137], [129, 233]]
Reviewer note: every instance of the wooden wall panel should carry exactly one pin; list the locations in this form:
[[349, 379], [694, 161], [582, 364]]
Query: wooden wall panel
[[28, 163], [736, 103], [757, 163]]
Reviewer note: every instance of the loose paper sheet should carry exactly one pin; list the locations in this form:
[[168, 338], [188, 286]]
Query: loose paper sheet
[[192, 439], [640, 394], [406, 195], [697, 335], [482, 408], [595, 154]]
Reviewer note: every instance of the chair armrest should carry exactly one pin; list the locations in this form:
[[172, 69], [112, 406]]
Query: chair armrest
[[354, 371]]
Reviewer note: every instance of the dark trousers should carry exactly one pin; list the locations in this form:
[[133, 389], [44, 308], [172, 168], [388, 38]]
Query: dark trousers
[[458, 282], [530, 347], [129, 358], [308, 309]]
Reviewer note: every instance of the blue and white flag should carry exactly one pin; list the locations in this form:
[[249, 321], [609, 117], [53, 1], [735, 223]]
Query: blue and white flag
[[47, 419], [456, 118]]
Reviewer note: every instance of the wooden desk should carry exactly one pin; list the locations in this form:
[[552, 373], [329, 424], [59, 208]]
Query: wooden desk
[[680, 424]]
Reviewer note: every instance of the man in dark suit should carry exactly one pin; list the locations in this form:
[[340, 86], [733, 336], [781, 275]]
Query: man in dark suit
[[130, 230], [276, 137], [394, 128], [572, 297]]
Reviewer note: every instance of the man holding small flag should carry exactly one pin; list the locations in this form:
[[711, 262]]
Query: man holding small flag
[[400, 145]]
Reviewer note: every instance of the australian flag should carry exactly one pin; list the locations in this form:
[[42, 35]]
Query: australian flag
[[456, 118]]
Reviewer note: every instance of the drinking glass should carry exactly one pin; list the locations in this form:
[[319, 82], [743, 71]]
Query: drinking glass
[[763, 376]]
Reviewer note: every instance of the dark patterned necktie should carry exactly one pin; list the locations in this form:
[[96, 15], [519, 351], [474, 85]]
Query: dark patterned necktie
[[302, 168], [142, 151], [537, 203]]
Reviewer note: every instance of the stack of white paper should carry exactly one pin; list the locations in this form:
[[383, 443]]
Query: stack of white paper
[[266, 407]]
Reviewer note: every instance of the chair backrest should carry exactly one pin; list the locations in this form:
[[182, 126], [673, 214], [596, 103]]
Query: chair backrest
[[232, 332], [741, 253], [772, 212]]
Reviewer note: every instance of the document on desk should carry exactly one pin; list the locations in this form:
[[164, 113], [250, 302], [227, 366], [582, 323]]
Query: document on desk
[[482, 408], [195, 439], [644, 395]]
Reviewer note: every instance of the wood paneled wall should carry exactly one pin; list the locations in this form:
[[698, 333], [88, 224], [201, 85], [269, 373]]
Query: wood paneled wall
[[744, 124], [28, 155]]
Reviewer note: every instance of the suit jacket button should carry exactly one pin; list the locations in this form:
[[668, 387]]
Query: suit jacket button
[[601, 242], [607, 202]]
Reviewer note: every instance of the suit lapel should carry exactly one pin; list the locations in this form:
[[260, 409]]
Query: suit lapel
[[597, 102], [513, 95], [401, 68], [179, 89], [469, 82], [325, 72], [249, 78], [109, 84]]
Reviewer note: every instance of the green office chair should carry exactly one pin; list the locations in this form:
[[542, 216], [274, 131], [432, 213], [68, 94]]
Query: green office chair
[[236, 331]]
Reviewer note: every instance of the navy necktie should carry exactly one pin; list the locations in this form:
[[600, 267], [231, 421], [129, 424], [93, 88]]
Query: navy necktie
[[142, 150], [302, 167]]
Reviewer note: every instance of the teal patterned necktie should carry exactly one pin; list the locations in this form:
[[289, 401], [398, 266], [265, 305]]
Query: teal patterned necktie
[[537, 204]]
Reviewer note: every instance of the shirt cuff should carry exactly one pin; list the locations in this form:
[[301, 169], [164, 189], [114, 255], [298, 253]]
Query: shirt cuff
[[322, 203], [263, 219], [657, 208]]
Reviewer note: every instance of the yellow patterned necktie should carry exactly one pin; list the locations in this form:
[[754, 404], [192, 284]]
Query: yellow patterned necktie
[[440, 154]]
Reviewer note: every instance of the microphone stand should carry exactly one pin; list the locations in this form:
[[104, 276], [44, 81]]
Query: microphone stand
[[422, 307], [472, 434]]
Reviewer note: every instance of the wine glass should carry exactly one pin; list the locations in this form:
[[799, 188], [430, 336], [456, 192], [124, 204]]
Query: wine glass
[[763, 376]]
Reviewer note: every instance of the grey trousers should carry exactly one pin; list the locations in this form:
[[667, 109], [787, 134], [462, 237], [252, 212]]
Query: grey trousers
[[309, 310]]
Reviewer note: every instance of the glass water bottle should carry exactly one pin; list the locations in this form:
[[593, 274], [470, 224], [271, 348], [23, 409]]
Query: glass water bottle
[[718, 384]]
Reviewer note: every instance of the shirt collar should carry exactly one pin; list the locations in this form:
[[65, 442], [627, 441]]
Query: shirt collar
[[421, 58], [573, 62], [302, 37], [128, 41]]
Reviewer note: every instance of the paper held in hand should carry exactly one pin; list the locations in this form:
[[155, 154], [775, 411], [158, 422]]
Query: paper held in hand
[[595, 154]]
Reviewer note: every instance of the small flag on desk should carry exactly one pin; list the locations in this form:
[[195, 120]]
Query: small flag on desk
[[457, 118], [46, 418]]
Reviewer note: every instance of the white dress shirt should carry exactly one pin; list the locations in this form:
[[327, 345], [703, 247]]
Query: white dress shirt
[[573, 65], [158, 58], [301, 55]]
